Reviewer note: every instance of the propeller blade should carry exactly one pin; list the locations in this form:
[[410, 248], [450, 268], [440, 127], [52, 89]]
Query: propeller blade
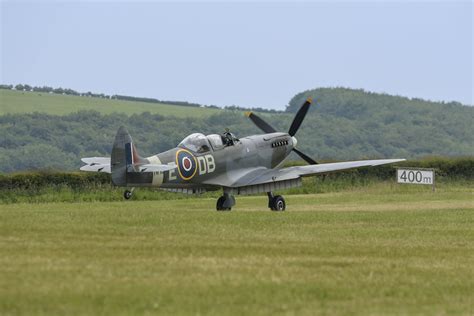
[[305, 158], [299, 117], [264, 126]]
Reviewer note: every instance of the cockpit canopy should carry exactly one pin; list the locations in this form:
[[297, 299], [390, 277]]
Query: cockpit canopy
[[196, 142], [216, 141], [199, 143]]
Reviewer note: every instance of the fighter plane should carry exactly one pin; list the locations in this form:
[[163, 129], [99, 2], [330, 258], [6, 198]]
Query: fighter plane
[[237, 166]]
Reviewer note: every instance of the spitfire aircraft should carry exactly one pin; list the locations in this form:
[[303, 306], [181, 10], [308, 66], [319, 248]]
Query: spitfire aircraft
[[237, 166]]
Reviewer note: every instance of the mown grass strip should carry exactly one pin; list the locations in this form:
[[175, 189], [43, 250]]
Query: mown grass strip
[[372, 251]]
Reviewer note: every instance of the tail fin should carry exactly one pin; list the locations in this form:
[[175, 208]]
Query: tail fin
[[124, 157]]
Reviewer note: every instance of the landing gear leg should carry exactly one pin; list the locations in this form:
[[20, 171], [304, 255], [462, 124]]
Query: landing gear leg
[[270, 200], [128, 194], [225, 202], [276, 202]]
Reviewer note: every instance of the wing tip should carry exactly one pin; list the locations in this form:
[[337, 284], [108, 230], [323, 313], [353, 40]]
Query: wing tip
[[399, 159], [248, 113]]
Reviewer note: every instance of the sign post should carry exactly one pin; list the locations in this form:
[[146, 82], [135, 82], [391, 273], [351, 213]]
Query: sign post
[[416, 176]]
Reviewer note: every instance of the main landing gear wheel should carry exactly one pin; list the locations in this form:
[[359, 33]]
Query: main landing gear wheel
[[225, 203], [276, 203], [220, 204], [127, 194]]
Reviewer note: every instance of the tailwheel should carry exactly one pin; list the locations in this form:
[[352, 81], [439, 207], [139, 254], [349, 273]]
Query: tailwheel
[[276, 203], [127, 194]]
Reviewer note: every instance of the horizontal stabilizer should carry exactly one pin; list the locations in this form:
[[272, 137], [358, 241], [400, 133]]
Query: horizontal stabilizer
[[94, 167], [156, 167], [102, 164], [96, 160]]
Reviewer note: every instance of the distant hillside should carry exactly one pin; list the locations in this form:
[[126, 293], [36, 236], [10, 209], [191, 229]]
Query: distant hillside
[[343, 124], [59, 101], [12, 101], [347, 120]]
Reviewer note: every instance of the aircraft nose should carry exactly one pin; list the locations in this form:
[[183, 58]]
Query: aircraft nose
[[293, 138]]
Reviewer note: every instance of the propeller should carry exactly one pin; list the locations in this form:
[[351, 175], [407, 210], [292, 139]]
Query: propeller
[[306, 158], [299, 117], [295, 125], [264, 126]]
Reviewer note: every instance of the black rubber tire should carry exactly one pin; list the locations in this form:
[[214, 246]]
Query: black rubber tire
[[127, 195], [278, 203], [220, 202], [233, 203]]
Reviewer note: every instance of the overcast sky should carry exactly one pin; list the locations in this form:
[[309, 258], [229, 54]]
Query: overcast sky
[[253, 54]]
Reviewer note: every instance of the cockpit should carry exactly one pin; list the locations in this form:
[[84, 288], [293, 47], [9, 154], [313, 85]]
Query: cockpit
[[196, 142], [200, 143]]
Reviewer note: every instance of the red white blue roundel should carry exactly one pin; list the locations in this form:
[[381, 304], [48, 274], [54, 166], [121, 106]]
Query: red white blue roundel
[[187, 164]]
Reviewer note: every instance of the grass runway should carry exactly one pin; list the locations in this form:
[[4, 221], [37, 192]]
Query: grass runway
[[363, 252]]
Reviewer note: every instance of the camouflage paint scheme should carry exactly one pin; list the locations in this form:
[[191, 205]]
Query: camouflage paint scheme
[[268, 151]]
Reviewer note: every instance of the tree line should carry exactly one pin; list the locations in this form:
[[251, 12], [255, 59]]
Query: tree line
[[46, 89], [343, 124], [40, 141]]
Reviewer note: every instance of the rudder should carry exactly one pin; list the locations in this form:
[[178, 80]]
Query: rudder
[[124, 157]]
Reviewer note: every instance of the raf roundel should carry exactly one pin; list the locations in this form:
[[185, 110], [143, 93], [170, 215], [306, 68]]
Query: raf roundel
[[187, 165]]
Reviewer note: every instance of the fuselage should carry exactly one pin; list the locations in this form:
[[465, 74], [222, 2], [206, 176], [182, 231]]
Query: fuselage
[[199, 159]]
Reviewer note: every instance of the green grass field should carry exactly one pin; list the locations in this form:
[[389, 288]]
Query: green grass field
[[372, 251], [28, 102]]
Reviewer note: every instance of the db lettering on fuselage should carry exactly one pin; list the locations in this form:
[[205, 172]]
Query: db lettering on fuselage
[[189, 165]]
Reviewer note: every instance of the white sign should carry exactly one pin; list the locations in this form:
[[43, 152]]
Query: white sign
[[415, 176]]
